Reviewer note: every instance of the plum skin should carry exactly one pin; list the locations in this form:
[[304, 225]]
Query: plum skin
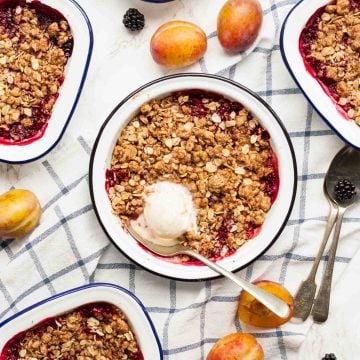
[[252, 312], [238, 24], [177, 44], [236, 346], [20, 212]]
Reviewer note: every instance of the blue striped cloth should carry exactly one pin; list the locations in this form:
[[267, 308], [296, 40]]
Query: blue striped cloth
[[69, 249]]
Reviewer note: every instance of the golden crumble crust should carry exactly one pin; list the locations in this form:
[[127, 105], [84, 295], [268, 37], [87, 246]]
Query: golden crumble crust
[[332, 47], [97, 331], [34, 49], [214, 147]]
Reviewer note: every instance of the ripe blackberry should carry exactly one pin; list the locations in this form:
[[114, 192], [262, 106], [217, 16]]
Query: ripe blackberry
[[134, 20], [329, 357], [344, 190]]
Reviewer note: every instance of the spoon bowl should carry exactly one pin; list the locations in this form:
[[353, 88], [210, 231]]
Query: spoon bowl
[[345, 165], [273, 303]]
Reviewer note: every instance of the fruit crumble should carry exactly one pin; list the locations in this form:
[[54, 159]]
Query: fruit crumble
[[93, 331], [213, 146], [35, 45], [330, 44]]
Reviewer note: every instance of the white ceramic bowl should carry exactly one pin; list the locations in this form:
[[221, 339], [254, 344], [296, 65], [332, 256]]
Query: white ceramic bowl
[[122, 114], [130, 305], [322, 103], [69, 93]]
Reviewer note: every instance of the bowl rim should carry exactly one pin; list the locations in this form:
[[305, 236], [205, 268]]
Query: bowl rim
[[201, 75], [289, 68], [77, 96], [85, 287]]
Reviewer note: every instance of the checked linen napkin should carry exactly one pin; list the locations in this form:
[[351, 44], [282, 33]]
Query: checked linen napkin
[[69, 249]]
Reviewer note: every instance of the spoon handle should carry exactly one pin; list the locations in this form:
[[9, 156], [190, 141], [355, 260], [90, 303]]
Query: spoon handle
[[305, 295], [277, 306], [320, 309]]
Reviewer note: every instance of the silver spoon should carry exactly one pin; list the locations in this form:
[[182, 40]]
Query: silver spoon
[[305, 295], [346, 164], [277, 306]]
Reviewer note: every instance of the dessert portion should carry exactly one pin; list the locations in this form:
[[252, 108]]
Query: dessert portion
[[330, 45], [215, 148], [93, 331], [35, 45], [168, 214]]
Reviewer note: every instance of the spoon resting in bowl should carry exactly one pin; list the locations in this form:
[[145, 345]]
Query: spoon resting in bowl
[[273, 303]]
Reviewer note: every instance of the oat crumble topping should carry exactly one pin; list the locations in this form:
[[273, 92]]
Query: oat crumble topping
[[35, 44], [331, 45], [98, 331], [211, 145]]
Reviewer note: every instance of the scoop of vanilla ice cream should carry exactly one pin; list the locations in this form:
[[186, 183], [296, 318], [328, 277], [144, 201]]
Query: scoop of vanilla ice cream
[[169, 212]]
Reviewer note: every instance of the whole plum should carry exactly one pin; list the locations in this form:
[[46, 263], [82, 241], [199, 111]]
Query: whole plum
[[177, 44], [238, 24], [252, 312], [236, 346], [20, 212]]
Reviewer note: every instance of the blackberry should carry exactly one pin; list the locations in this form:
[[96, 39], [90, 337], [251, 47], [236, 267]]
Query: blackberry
[[68, 47], [344, 190], [329, 357], [134, 20]]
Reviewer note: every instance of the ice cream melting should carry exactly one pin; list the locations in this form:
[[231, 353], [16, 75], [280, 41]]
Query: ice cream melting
[[169, 213]]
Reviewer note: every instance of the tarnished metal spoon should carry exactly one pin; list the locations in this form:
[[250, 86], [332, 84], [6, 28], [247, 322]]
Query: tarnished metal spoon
[[276, 305], [305, 295], [345, 165]]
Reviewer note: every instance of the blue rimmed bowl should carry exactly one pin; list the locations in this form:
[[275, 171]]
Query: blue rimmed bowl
[[70, 91], [291, 30], [127, 302], [276, 218]]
